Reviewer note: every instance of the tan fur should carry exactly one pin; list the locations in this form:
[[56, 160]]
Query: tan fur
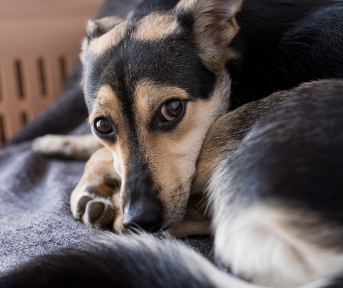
[[150, 96], [155, 26], [214, 28]]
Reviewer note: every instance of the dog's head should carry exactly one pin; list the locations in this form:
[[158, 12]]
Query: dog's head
[[154, 84]]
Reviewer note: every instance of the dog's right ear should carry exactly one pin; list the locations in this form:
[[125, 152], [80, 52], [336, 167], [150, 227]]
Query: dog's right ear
[[97, 28]]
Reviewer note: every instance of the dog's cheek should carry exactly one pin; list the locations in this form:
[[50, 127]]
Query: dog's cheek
[[175, 191], [117, 164]]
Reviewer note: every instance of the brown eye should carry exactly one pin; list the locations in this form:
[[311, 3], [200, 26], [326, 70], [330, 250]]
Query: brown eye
[[171, 110], [103, 126]]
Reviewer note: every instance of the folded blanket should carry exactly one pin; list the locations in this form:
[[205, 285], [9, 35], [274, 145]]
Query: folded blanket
[[35, 217]]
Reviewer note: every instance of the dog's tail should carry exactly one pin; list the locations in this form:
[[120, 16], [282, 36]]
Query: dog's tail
[[126, 261]]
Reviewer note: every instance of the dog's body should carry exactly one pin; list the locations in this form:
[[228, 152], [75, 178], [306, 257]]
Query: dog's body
[[271, 168]]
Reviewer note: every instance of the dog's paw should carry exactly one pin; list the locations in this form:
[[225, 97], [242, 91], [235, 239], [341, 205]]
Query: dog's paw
[[94, 208], [53, 145], [66, 146], [97, 210]]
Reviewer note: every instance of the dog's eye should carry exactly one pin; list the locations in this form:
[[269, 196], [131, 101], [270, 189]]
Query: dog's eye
[[103, 126], [171, 110]]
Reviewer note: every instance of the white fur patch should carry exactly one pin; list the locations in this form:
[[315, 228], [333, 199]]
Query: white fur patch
[[259, 243], [260, 249]]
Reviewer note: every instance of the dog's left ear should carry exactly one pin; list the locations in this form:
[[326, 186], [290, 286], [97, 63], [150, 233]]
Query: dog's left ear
[[97, 28], [101, 26], [213, 24]]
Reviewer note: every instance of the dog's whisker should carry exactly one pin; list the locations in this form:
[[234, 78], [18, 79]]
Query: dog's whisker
[[110, 190], [201, 204], [114, 183], [137, 228]]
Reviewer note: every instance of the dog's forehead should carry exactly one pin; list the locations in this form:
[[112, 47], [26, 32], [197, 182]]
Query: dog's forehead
[[171, 61]]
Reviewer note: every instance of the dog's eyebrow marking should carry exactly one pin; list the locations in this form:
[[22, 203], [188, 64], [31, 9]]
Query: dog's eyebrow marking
[[156, 26], [105, 102], [149, 95]]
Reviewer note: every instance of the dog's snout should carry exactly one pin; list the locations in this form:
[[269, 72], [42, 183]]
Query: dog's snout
[[147, 216]]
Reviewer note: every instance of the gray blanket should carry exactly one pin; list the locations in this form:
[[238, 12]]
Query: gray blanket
[[35, 217]]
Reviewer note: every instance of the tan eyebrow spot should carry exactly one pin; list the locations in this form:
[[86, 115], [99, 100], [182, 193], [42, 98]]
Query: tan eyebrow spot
[[149, 96], [106, 102], [156, 26]]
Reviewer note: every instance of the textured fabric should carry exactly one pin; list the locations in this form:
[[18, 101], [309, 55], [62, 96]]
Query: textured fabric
[[35, 217]]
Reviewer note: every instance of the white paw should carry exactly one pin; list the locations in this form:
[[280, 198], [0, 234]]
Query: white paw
[[53, 145]]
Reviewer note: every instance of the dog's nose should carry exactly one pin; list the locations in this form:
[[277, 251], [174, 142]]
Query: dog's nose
[[144, 215]]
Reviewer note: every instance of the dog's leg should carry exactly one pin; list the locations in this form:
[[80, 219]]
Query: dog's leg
[[95, 201], [64, 146]]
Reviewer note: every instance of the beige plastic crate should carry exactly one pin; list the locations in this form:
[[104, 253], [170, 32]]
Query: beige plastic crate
[[39, 41]]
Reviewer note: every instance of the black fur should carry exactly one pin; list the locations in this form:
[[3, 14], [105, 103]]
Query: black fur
[[116, 261], [148, 6], [283, 44], [294, 155]]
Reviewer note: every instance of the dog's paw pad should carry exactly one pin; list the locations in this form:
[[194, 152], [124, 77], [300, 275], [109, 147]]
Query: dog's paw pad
[[95, 210], [81, 205]]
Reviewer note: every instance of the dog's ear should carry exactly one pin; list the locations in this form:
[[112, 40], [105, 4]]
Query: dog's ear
[[101, 26], [213, 25], [97, 28]]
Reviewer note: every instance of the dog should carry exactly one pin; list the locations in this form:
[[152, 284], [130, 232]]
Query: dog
[[276, 215], [153, 98]]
